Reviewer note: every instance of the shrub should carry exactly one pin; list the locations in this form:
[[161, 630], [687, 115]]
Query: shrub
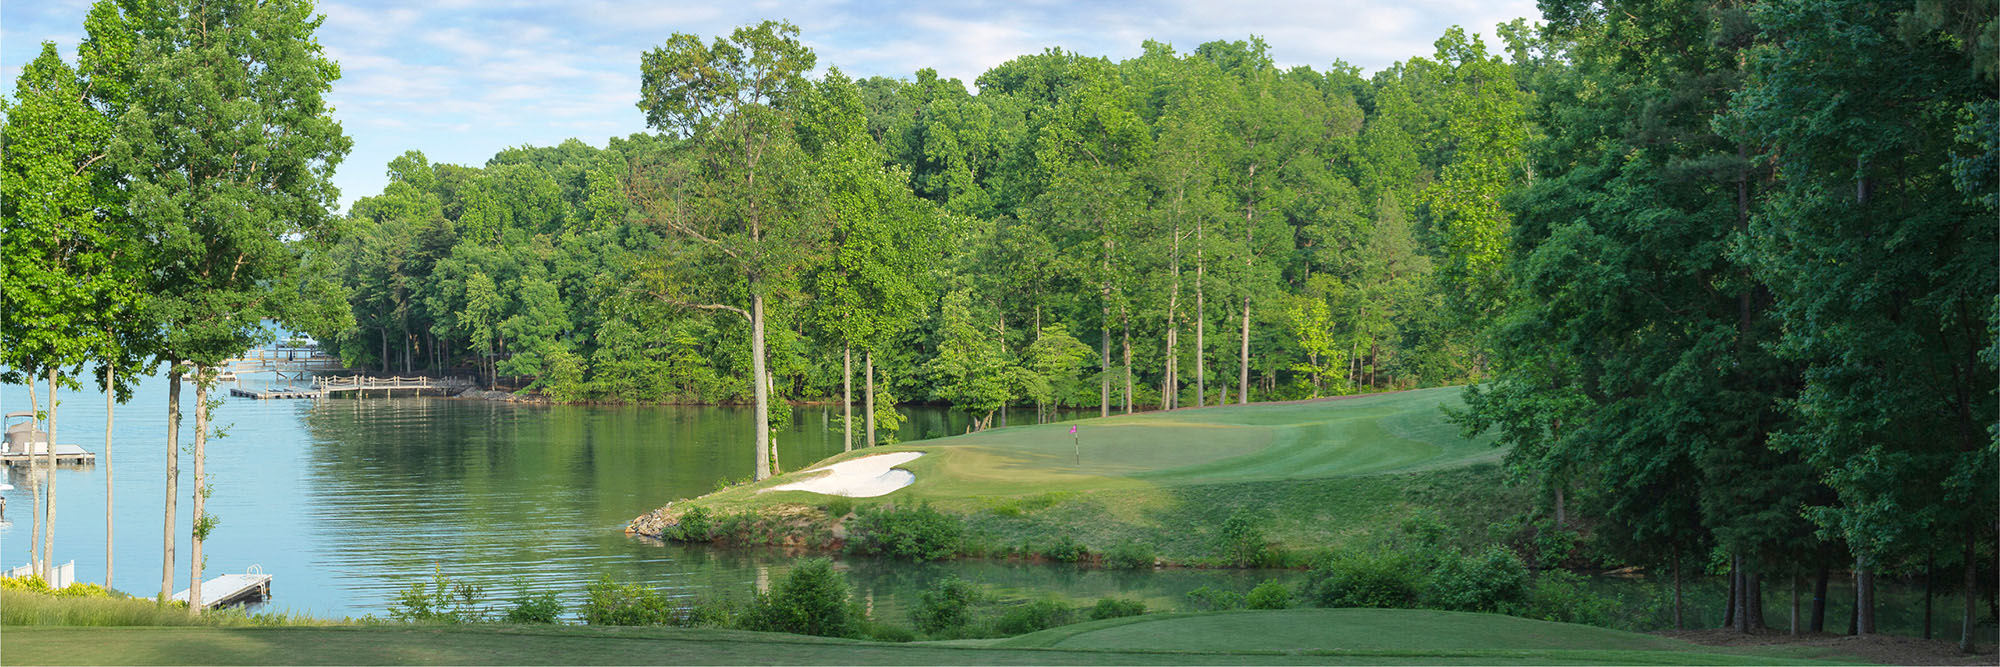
[[1559, 595], [1129, 555], [1034, 616], [1487, 582], [919, 533], [1269, 595], [82, 590], [1360, 580], [1066, 550], [883, 632], [1214, 599], [695, 525], [443, 601], [839, 506], [531, 607], [1242, 540], [612, 603], [32, 583], [812, 600], [945, 609], [1116, 608]]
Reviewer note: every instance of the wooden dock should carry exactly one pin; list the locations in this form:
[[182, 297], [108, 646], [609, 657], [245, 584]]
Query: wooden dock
[[65, 455], [413, 386], [232, 588], [281, 392]]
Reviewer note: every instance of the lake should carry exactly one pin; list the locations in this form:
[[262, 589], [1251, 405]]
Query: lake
[[348, 501]]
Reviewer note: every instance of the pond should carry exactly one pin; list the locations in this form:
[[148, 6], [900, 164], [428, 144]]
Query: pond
[[348, 501]]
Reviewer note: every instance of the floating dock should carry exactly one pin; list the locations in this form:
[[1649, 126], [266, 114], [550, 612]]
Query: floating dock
[[65, 455], [232, 589], [289, 392]]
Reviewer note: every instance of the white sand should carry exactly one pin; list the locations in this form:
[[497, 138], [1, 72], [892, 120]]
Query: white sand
[[865, 477]]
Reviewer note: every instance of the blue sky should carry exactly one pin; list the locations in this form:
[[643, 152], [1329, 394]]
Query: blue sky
[[460, 80]]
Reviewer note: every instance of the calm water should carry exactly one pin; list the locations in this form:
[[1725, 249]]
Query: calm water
[[348, 501]]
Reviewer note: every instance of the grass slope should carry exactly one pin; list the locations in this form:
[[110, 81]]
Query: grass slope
[[1275, 638], [1320, 473], [1350, 436]]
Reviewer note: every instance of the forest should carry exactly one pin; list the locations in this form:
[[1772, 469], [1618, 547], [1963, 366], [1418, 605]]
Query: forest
[[1721, 275]]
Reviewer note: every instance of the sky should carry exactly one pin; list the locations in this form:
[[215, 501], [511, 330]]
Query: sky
[[462, 79]]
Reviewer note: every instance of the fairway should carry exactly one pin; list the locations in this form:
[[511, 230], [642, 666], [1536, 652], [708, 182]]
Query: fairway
[[1346, 436], [1297, 637]]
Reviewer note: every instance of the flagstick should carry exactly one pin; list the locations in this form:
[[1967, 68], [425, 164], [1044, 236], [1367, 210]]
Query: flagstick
[[1078, 443]]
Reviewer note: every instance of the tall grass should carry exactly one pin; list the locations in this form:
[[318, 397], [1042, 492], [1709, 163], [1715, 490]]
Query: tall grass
[[25, 608]]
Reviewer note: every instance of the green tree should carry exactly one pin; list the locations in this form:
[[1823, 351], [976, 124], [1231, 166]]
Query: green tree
[[740, 199], [1881, 267], [230, 211]]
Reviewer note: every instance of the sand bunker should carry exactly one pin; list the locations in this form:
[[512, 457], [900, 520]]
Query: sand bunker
[[865, 477]]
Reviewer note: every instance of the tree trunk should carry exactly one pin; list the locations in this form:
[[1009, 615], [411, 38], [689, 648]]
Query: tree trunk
[[1559, 499], [758, 382], [1127, 340], [1971, 594], [847, 398], [109, 396], [771, 391], [1677, 591], [1243, 361], [49, 487], [173, 477], [385, 354], [1816, 621], [1864, 598], [1930, 579], [196, 535], [1104, 381], [1200, 330], [868, 404], [1729, 615], [1797, 584], [1753, 600], [35, 492]]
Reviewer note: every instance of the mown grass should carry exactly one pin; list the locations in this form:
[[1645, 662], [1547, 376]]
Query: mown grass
[[1316, 475], [1101, 643]]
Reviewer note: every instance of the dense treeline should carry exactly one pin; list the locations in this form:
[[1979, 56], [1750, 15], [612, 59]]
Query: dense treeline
[[1752, 298], [163, 199], [1174, 229]]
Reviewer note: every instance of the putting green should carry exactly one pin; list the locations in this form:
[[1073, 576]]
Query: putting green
[[1358, 435]]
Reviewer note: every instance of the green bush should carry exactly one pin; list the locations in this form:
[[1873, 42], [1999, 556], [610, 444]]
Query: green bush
[[918, 533], [531, 607], [1065, 550], [1269, 595], [695, 525], [884, 632], [1034, 616], [1116, 608], [839, 506], [1242, 540], [1493, 580], [946, 609], [1362, 580], [81, 590], [1129, 555], [611, 603], [443, 601], [812, 600], [1559, 595], [32, 583], [1214, 599]]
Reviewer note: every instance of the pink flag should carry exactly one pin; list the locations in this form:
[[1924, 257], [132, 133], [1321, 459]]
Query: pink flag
[[1072, 430]]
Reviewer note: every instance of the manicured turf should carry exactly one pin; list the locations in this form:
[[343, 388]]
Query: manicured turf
[[1263, 639], [1360, 435]]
